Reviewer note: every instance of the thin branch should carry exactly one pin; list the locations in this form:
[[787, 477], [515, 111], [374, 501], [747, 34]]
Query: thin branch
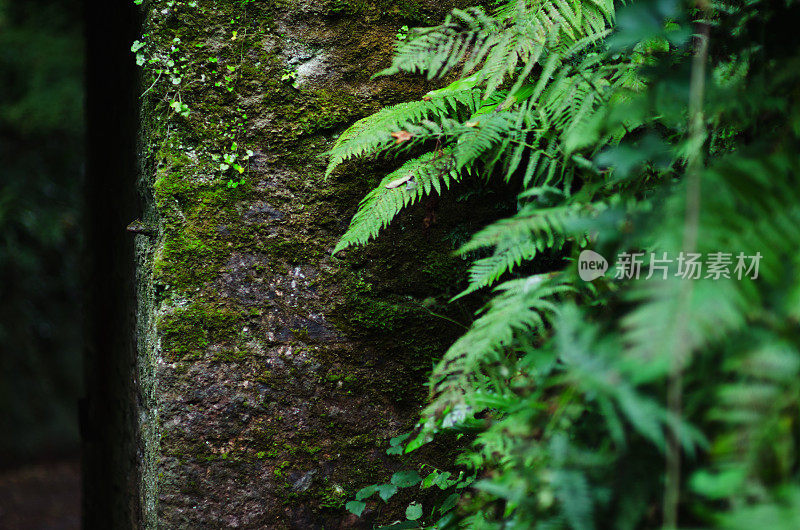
[[682, 351], [154, 84]]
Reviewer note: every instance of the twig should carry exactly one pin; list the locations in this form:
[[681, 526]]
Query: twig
[[154, 84]]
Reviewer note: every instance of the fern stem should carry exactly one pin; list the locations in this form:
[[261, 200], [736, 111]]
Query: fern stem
[[443, 317], [691, 227]]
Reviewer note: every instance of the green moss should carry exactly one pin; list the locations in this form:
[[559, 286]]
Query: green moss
[[278, 471], [188, 331], [304, 447], [184, 260], [407, 10], [367, 312], [333, 377], [332, 496], [230, 355], [192, 211], [265, 377], [301, 334]]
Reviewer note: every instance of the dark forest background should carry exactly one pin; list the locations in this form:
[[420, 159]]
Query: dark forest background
[[41, 319], [41, 165]]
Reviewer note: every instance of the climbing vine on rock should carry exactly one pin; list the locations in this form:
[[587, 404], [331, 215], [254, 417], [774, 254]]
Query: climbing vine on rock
[[168, 70]]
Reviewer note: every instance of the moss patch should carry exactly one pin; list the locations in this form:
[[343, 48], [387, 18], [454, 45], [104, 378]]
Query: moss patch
[[188, 331]]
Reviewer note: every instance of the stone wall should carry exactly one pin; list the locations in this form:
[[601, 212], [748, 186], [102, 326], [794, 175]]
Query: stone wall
[[271, 373]]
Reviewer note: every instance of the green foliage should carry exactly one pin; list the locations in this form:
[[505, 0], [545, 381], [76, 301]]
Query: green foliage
[[172, 80], [441, 491], [610, 137], [471, 124], [420, 176], [373, 134]]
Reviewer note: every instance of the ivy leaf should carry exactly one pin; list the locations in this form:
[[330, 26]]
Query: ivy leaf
[[441, 479], [430, 480], [356, 507], [449, 503], [418, 442], [414, 511], [397, 440], [366, 492], [386, 491], [464, 483], [445, 520], [405, 479]]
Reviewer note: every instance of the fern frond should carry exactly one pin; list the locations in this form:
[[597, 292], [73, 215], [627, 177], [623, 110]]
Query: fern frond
[[516, 37], [522, 307], [756, 403], [542, 226], [515, 240], [430, 172], [373, 134], [714, 310], [486, 271], [480, 136], [438, 49], [761, 199], [592, 365]]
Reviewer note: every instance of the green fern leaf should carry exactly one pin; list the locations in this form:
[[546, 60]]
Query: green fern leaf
[[373, 134], [523, 306], [430, 172]]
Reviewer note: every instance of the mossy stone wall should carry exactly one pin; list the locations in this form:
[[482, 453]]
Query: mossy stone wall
[[271, 373]]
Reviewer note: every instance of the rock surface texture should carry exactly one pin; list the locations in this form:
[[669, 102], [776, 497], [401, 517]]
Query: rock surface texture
[[271, 373]]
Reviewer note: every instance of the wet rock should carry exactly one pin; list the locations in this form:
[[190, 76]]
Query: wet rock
[[263, 212], [264, 395], [304, 482], [245, 279]]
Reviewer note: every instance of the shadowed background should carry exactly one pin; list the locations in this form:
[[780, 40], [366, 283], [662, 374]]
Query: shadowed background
[[41, 166]]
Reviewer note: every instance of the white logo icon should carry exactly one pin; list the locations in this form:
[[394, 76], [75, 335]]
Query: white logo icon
[[591, 265]]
